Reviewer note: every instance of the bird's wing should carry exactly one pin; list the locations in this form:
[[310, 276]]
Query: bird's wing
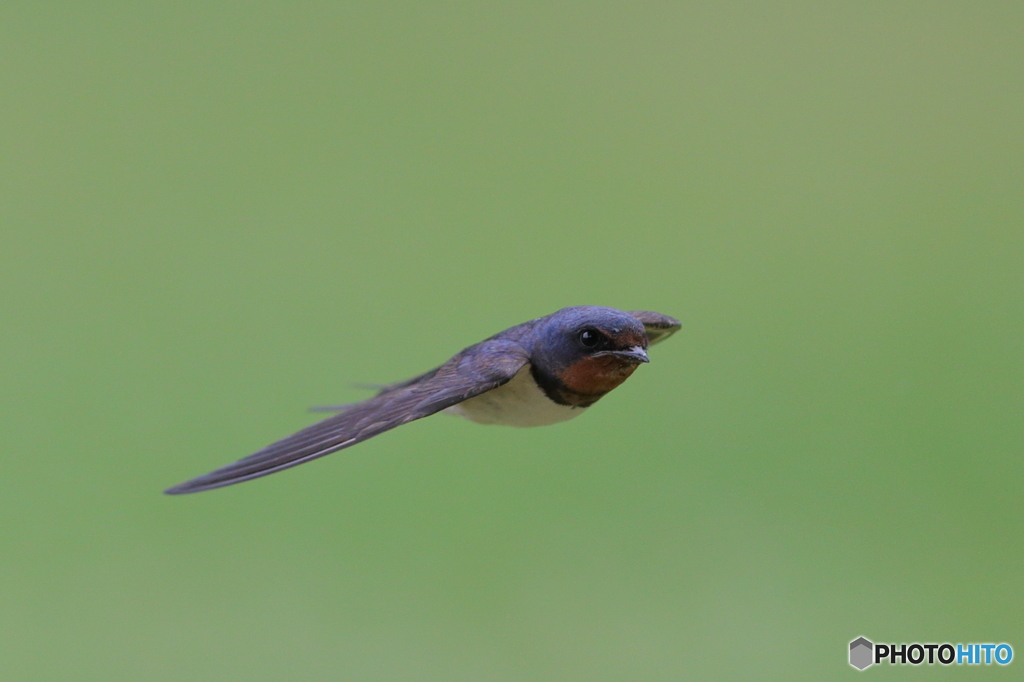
[[476, 370], [658, 327]]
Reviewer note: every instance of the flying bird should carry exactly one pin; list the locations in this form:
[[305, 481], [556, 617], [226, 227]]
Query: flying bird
[[537, 373]]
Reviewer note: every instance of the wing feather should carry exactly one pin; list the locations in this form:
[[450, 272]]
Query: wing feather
[[658, 327], [476, 370]]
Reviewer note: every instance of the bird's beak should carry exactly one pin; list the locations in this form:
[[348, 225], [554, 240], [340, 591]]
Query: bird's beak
[[635, 354]]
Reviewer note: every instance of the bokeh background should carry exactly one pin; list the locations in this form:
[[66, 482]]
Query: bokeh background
[[216, 214]]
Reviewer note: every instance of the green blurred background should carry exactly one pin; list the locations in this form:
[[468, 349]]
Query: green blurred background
[[216, 214]]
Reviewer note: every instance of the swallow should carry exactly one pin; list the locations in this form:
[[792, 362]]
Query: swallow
[[540, 372]]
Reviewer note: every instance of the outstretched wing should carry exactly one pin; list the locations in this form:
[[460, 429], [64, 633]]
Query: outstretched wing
[[476, 370], [658, 327]]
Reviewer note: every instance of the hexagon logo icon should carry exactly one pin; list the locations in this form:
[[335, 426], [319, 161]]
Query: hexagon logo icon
[[860, 653]]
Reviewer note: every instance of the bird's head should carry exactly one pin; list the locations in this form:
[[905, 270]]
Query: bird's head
[[589, 350]]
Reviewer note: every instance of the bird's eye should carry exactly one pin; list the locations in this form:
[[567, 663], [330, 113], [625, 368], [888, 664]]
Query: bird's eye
[[589, 338]]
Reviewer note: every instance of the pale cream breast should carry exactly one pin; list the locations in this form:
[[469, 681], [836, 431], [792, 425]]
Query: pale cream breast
[[520, 402]]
